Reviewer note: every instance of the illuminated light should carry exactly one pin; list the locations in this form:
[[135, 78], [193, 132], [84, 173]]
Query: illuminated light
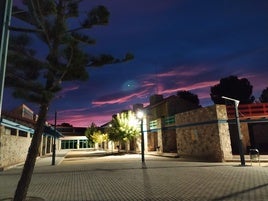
[[140, 114]]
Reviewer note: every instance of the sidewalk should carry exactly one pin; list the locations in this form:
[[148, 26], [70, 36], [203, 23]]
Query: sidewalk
[[235, 158], [61, 154], [47, 159], [84, 176]]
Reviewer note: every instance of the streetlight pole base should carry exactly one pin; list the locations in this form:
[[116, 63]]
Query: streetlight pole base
[[143, 165]]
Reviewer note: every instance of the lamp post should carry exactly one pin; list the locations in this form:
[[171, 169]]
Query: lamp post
[[140, 115], [240, 137], [54, 141], [5, 17]]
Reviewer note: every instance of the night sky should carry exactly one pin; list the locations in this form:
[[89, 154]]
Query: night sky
[[177, 44]]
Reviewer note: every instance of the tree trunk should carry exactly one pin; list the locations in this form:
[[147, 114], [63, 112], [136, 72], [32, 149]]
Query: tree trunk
[[26, 176]]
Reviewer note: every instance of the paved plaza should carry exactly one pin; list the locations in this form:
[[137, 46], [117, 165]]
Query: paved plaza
[[98, 177]]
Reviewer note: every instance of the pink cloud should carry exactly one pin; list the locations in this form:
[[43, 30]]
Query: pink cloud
[[122, 99], [85, 120], [185, 71], [81, 117], [192, 87], [72, 111], [178, 79], [171, 73], [151, 86], [67, 89]]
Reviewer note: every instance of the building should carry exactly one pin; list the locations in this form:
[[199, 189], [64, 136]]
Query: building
[[254, 127], [74, 137], [160, 115], [16, 131], [158, 124], [170, 125], [208, 133]]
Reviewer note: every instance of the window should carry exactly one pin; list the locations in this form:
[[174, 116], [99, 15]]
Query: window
[[7, 131], [13, 131], [169, 120], [153, 124], [22, 133]]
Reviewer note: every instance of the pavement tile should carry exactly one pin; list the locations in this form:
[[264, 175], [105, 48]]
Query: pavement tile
[[93, 177]]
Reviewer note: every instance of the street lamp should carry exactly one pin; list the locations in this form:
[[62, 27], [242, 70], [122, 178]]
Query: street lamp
[[5, 17], [140, 115], [240, 137], [54, 141]]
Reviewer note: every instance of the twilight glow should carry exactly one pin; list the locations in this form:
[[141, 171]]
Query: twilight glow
[[178, 45]]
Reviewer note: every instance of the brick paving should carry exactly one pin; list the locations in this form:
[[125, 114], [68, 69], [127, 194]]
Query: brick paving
[[93, 177]]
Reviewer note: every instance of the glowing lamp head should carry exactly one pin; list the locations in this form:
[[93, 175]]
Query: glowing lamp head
[[140, 114]]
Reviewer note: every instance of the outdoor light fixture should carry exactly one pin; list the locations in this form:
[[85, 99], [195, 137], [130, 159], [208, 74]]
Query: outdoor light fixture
[[240, 137], [140, 115]]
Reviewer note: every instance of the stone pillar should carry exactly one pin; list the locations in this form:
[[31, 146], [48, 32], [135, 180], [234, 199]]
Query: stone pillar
[[224, 134], [77, 144], [59, 144], [45, 140], [204, 133], [160, 135]]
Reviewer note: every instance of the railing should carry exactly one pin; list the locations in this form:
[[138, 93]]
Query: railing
[[249, 110]]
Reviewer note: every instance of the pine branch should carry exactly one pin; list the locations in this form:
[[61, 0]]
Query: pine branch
[[108, 59], [25, 30]]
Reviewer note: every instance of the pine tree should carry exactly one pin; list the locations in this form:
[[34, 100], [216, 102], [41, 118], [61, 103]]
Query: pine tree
[[264, 96], [38, 78], [232, 87], [189, 96]]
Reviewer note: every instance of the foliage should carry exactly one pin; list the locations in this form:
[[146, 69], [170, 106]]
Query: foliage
[[188, 96], [37, 69], [65, 58], [264, 96], [124, 126], [232, 87], [90, 132], [94, 134], [99, 137]]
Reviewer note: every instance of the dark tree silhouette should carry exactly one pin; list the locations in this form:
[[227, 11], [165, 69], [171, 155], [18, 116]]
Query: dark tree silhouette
[[264, 96], [232, 87], [38, 78], [189, 96], [66, 125]]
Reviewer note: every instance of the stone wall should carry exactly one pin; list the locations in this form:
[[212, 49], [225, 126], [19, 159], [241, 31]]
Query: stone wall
[[13, 149], [204, 134]]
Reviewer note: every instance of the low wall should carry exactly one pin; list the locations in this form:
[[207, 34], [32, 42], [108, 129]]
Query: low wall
[[204, 134], [13, 149]]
